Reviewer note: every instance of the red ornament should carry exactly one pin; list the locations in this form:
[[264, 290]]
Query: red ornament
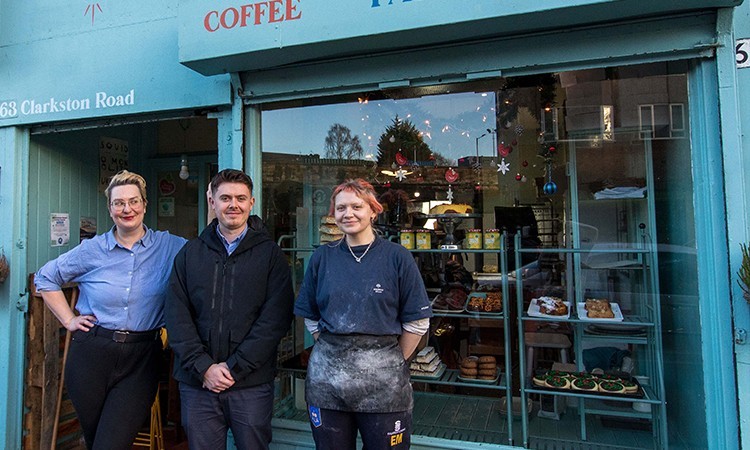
[[514, 142], [525, 163], [451, 176], [518, 177], [552, 149], [401, 159], [503, 150]]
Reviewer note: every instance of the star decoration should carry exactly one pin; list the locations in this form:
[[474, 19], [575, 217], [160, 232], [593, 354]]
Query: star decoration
[[401, 174], [503, 167], [450, 194]]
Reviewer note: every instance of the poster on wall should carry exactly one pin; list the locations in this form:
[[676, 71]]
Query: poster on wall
[[113, 157], [87, 228], [166, 206], [59, 229]]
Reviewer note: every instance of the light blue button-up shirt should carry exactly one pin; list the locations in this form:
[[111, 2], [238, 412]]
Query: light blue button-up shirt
[[124, 289], [231, 246]]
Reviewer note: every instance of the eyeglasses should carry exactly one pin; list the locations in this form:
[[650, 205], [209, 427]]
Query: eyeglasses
[[119, 205]]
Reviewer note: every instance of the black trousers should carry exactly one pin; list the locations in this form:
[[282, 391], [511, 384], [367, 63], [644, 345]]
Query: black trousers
[[337, 430], [112, 387]]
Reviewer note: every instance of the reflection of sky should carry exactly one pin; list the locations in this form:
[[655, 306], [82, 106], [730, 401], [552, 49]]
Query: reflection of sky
[[450, 124]]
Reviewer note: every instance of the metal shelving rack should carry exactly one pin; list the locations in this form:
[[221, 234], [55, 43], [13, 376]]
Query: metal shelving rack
[[638, 258], [450, 376]]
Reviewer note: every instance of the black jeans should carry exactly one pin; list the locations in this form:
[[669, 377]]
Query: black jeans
[[337, 430], [112, 386], [206, 417]]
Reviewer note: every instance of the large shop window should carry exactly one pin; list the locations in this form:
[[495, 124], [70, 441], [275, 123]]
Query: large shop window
[[551, 217]]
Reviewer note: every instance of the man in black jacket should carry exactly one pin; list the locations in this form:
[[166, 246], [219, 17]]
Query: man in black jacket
[[229, 304]]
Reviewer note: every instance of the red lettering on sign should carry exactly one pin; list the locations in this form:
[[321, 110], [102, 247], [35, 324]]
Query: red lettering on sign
[[270, 11], [207, 21]]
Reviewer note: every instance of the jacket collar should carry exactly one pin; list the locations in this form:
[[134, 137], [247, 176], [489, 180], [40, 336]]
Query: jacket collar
[[256, 234]]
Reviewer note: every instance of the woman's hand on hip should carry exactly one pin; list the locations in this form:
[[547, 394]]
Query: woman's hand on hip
[[83, 322]]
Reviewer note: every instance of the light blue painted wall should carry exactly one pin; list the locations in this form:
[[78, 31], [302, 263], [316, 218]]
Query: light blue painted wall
[[59, 55], [63, 178], [735, 91]]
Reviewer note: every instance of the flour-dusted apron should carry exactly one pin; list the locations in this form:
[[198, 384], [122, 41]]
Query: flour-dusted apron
[[359, 373]]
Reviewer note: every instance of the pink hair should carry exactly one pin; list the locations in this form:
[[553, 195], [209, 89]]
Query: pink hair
[[361, 189]]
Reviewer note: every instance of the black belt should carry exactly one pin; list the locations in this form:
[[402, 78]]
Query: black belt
[[125, 337]]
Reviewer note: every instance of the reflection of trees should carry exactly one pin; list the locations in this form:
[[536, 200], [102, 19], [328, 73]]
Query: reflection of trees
[[340, 143], [402, 135]]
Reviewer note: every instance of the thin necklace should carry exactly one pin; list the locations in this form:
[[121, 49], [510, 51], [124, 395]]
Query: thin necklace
[[359, 258]]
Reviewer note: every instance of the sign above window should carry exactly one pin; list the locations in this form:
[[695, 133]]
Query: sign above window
[[230, 36]]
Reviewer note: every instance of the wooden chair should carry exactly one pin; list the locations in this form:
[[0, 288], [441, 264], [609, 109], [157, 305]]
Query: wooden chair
[[154, 439]]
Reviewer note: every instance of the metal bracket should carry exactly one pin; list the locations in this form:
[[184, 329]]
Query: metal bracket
[[740, 336], [23, 302]]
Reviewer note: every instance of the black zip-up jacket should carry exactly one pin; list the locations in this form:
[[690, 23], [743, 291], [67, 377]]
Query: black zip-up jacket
[[229, 308]]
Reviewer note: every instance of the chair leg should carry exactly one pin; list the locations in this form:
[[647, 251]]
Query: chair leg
[[530, 354], [156, 437]]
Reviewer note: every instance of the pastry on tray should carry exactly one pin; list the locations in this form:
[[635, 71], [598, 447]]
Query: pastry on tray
[[552, 306], [557, 382], [611, 387], [599, 308], [584, 384]]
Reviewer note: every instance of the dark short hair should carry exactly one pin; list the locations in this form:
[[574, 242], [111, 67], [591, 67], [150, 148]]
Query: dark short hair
[[231, 176]]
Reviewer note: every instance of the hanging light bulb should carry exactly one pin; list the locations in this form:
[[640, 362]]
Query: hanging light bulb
[[184, 173]]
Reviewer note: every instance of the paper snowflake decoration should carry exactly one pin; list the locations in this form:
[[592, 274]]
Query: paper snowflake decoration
[[503, 167], [450, 194]]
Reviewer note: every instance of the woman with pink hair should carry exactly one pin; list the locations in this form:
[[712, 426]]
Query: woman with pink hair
[[364, 301]]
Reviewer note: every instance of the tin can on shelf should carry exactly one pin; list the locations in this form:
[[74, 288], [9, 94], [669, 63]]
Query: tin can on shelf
[[406, 237], [492, 239], [473, 239], [423, 240]]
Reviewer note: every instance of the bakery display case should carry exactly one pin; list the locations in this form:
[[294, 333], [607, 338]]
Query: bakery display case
[[608, 302], [477, 364]]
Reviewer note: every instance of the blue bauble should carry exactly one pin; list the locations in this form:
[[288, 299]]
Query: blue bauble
[[550, 188]]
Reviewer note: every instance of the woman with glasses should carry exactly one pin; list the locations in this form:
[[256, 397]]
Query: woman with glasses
[[112, 369]]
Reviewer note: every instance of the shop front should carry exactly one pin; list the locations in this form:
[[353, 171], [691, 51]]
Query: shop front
[[578, 134], [557, 170]]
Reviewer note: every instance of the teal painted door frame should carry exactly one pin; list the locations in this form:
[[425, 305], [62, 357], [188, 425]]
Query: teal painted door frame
[[14, 167], [712, 256]]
